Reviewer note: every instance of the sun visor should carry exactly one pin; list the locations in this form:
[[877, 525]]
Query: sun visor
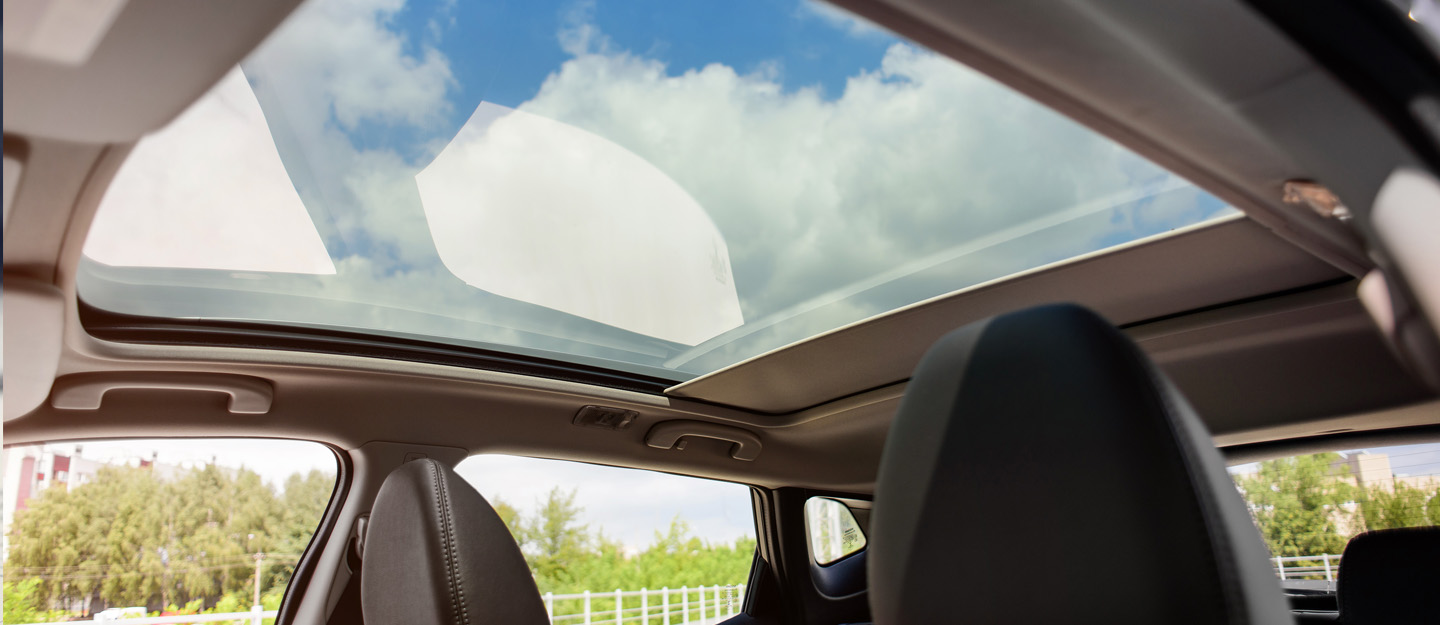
[[1404, 216], [34, 318]]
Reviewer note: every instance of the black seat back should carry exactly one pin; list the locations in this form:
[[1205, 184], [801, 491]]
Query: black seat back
[[1041, 470], [436, 552], [1391, 577]]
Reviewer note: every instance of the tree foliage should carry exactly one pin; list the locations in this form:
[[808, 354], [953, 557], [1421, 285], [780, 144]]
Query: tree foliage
[[131, 539], [1401, 507], [1296, 502], [23, 606], [187, 545], [1311, 505], [566, 556]]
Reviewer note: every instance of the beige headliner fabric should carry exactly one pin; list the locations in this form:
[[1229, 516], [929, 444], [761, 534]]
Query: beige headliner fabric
[[157, 58]]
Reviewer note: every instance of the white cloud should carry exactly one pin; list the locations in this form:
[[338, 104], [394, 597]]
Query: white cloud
[[343, 57], [814, 194], [578, 34], [332, 68]]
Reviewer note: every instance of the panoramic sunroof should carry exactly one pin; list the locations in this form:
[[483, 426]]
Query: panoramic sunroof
[[655, 187]]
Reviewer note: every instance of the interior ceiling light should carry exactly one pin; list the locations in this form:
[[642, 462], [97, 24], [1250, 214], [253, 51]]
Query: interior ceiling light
[[1317, 197]]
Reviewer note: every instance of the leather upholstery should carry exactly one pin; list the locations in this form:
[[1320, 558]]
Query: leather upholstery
[[436, 552], [1041, 470], [1391, 577]]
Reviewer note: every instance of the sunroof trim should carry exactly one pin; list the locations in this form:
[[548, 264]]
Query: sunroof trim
[[139, 330], [682, 389]]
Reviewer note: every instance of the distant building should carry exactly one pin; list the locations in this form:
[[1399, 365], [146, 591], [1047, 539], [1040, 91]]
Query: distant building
[[1374, 471]]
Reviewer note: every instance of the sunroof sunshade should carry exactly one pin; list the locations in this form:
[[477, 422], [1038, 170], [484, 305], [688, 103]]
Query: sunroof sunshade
[[655, 187]]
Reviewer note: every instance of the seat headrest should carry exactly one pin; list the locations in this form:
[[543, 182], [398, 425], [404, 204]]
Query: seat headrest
[[1391, 577], [1040, 469], [436, 552]]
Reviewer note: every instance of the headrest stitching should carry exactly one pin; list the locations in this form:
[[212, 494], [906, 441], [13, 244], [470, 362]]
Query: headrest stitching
[[447, 534]]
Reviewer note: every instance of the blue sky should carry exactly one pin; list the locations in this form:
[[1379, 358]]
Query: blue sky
[[501, 52]]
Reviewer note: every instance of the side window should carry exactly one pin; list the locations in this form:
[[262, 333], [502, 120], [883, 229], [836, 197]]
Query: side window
[[622, 545], [1308, 507], [135, 528], [833, 531]]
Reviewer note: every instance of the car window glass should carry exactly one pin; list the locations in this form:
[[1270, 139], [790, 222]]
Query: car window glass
[[1308, 507], [601, 539], [107, 529], [833, 531]]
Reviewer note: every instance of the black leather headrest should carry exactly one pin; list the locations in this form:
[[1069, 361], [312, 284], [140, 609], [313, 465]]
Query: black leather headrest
[[1391, 577], [1040, 470], [436, 552]]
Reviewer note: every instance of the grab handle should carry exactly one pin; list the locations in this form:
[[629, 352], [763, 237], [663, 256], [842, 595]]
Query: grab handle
[[86, 391], [671, 435]]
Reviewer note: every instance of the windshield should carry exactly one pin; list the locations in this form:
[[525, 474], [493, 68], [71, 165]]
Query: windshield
[[656, 187]]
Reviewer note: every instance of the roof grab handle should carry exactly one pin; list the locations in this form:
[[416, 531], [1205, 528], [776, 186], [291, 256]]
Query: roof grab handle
[[85, 391], [672, 434]]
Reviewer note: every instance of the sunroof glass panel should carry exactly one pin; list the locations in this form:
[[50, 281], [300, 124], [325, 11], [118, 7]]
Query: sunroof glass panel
[[656, 187]]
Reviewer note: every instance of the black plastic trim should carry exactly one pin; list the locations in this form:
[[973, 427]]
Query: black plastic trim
[[310, 559], [1368, 45], [121, 328], [1354, 439]]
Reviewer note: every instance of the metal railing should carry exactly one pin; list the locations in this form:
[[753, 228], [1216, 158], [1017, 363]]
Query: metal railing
[[255, 616], [673, 606], [666, 606], [697, 605], [1323, 566]]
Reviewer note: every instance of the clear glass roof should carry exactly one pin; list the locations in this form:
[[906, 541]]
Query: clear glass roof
[[651, 186]]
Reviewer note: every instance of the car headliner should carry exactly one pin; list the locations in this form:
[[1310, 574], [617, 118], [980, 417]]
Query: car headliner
[[1256, 318]]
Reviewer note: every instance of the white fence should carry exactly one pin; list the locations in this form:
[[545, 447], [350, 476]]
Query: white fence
[[700, 605], [254, 617], [1323, 566], [674, 606], [666, 606]]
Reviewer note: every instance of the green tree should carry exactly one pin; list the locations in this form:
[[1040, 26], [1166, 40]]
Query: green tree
[[555, 540], [23, 606], [511, 517], [130, 538], [1403, 506], [1298, 501], [301, 508]]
